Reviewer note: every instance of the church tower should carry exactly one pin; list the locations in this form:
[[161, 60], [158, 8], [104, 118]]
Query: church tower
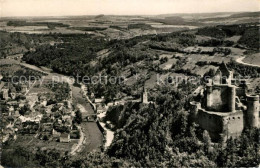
[[145, 96]]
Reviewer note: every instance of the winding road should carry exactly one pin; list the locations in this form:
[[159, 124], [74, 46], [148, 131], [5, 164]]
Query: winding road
[[240, 61]]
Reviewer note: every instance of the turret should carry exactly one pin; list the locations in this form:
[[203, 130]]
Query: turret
[[252, 115], [209, 97], [232, 98], [194, 108]]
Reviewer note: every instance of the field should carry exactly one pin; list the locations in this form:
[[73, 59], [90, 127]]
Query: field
[[115, 27], [253, 59], [32, 143]]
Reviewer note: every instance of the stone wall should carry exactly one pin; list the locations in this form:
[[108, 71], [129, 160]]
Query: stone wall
[[213, 123], [229, 124], [234, 124], [220, 98]]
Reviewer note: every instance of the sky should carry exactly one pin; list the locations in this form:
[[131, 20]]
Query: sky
[[121, 7]]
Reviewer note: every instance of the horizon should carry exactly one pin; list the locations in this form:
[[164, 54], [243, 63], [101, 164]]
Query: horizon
[[63, 8], [127, 15]]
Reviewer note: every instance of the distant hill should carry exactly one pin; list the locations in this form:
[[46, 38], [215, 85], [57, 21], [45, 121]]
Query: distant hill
[[246, 14], [99, 16]]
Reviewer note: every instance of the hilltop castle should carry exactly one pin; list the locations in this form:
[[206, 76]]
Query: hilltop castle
[[226, 107]]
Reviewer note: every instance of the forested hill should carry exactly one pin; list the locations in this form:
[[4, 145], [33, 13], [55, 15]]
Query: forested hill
[[77, 51]]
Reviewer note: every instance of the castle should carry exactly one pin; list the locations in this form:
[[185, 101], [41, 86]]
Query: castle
[[226, 107]]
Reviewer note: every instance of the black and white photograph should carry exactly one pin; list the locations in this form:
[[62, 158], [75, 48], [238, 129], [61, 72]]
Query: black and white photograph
[[129, 83]]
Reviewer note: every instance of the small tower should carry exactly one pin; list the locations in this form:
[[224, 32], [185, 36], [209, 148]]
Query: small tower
[[252, 115], [5, 93], [232, 98], [145, 96], [194, 108]]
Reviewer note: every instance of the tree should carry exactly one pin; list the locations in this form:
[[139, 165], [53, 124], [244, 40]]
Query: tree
[[78, 117], [24, 109], [206, 140]]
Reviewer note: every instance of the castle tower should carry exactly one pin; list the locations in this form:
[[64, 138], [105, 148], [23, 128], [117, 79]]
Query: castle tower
[[145, 96], [252, 115], [194, 108], [232, 99], [209, 96]]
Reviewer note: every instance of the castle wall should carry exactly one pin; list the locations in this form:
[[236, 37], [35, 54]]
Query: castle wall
[[211, 122], [218, 125], [234, 124], [241, 92], [221, 98]]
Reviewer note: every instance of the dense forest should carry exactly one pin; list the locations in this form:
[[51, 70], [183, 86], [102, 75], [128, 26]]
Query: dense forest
[[50, 25], [17, 43], [249, 33]]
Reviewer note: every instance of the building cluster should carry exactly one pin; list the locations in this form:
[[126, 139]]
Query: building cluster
[[23, 112], [226, 107]]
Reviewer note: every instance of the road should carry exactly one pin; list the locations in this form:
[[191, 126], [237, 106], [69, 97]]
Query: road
[[78, 147], [240, 61]]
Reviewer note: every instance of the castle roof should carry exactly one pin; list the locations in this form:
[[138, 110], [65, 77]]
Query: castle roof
[[224, 69]]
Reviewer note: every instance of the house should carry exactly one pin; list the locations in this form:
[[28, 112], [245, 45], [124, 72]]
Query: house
[[47, 127], [11, 110], [65, 138], [101, 109], [12, 103], [1, 84], [16, 113], [55, 133], [32, 98], [24, 89], [100, 100], [5, 93], [12, 92], [21, 105]]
